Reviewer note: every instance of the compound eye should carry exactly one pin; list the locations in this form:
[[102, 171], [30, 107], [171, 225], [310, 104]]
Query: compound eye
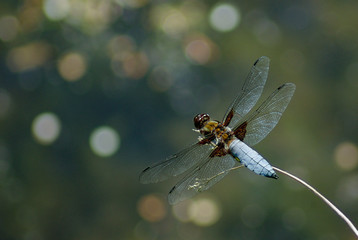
[[200, 120]]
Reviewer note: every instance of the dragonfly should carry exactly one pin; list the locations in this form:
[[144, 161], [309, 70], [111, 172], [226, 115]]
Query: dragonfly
[[222, 145]]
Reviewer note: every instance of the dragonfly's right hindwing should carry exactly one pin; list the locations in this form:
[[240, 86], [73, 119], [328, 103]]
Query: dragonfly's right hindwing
[[261, 122]]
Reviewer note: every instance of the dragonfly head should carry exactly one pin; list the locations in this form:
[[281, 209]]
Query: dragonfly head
[[200, 120]]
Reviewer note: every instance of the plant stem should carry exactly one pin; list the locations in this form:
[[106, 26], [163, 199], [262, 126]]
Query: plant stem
[[349, 223]]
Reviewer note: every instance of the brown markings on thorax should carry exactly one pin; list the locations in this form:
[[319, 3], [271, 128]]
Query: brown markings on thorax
[[215, 130], [225, 136], [219, 130]]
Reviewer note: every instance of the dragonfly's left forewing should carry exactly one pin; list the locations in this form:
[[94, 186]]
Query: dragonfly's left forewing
[[201, 178], [176, 164]]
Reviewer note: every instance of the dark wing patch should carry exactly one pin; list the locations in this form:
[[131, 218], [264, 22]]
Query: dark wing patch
[[240, 132], [228, 118], [219, 151]]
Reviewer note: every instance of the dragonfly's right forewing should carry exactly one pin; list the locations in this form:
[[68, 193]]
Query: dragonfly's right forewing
[[250, 92]]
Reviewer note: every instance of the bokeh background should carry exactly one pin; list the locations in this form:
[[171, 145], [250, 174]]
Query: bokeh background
[[93, 91]]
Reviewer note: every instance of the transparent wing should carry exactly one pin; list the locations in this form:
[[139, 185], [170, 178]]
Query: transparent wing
[[264, 119], [250, 92], [201, 178], [176, 164]]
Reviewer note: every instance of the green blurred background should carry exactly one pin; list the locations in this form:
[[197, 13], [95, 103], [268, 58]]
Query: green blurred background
[[93, 91]]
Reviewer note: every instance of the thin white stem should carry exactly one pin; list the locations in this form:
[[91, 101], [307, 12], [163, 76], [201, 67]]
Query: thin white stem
[[349, 223]]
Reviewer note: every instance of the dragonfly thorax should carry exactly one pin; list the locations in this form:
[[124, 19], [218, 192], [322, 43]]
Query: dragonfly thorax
[[216, 133]]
